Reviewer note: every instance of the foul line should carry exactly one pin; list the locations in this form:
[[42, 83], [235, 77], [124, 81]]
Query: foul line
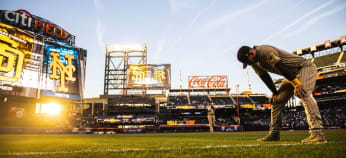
[[143, 149]]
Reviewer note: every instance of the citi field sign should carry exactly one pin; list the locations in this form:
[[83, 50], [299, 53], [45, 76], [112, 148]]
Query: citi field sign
[[26, 21]]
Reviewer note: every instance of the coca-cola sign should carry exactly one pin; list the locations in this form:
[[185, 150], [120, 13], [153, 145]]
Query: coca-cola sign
[[216, 81]]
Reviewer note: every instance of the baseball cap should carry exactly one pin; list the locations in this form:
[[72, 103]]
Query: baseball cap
[[243, 54]]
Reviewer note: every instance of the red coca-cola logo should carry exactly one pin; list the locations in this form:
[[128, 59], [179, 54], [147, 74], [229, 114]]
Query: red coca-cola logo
[[216, 81]]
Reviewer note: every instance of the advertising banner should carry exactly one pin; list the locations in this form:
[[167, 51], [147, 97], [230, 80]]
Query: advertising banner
[[208, 82], [149, 76]]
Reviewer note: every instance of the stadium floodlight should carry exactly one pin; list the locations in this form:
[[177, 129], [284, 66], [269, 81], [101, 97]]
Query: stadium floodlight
[[313, 48], [342, 39], [327, 44], [299, 51], [126, 48], [51, 108]]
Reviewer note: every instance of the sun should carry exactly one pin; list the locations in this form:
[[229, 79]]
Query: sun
[[51, 108]]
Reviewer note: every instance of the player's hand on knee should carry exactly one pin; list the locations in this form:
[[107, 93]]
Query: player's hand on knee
[[299, 92], [273, 99]]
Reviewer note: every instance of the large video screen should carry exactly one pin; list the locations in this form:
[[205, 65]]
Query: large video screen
[[61, 65], [31, 66], [19, 63], [149, 76]]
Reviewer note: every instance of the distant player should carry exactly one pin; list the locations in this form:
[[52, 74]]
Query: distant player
[[300, 80], [211, 116]]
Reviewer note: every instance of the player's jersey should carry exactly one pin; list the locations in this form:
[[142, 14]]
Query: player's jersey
[[211, 110], [268, 56]]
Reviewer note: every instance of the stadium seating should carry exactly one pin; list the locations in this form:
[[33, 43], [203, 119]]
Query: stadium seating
[[199, 100], [343, 59], [177, 100], [255, 119], [222, 100], [242, 100], [259, 100], [326, 60], [131, 100]]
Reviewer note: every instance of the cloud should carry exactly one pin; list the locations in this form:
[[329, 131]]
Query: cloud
[[161, 44], [201, 13], [100, 30], [173, 5], [176, 5], [213, 24], [233, 47], [97, 4], [295, 22], [100, 27], [193, 21], [314, 20], [186, 31]]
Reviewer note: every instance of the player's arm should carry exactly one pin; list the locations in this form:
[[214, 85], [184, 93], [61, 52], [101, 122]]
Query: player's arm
[[265, 78], [269, 82]]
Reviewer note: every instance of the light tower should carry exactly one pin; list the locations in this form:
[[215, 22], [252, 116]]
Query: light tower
[[118, 58]]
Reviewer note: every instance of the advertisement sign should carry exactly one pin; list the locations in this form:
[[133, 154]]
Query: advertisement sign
[[149, 76], [206, 82]]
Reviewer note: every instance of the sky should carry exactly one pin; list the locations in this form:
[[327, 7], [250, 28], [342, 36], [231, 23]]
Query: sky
[[197, 37]]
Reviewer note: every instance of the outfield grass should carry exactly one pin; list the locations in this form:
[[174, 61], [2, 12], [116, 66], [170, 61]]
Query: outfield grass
[[170, 145]]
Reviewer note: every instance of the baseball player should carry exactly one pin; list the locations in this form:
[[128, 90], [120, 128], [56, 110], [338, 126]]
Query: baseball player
[[300, 78], [211, 116]]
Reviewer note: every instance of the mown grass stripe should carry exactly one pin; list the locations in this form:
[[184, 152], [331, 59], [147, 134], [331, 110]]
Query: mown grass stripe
[[143, 149]]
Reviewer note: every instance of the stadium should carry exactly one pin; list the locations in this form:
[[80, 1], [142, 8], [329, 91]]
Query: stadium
[[44, 112]]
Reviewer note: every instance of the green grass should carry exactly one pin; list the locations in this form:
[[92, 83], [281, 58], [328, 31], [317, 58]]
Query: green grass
[[170, 145]]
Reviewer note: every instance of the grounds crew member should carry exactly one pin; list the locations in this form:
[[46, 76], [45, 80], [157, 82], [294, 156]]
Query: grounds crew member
[[300, 78], [211, 116]]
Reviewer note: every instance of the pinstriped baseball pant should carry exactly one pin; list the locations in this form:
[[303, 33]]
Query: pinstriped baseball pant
[[211, 120], [307, 76]]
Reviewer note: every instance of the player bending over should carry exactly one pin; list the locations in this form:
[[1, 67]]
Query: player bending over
[[300, 78]]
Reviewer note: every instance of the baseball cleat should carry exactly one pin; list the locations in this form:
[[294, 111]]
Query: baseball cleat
[[270, 137], [315, 139]]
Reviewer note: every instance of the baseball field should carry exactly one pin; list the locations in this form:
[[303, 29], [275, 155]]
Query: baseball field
[[232, 144]]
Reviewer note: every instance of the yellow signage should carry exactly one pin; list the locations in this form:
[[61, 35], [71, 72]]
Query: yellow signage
[[14, 58], [249, 106], [65, 72], [148, 76], [138, 74], [159, 75], [15, 46]]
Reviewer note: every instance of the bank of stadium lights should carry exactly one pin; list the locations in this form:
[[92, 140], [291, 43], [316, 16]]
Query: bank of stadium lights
[[342, 39], [126, 48], [313, 48], [327, 44]]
